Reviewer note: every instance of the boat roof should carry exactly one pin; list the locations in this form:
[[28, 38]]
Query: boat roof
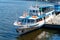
[[45, 4], [41, 5]]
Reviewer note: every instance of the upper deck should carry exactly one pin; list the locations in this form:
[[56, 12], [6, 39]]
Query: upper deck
[[37, 11]]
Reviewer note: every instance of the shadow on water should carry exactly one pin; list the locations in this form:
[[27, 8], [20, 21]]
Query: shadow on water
[[56, 26], [53, 33]]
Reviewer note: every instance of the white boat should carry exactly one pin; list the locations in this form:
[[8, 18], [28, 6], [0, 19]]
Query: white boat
[[35, 18]]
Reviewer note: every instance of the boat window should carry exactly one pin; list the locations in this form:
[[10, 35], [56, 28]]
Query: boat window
[[26, 21], [30, 13], [39, 20], [30, 10], [46, 9], [52, 12], [33, 10], [36, 11], [44, 18], [30, 21], [22, 20], [43, 9], [40, 9]]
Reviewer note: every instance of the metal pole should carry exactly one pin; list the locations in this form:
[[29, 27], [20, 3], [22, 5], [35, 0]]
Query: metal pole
[[16, 16]]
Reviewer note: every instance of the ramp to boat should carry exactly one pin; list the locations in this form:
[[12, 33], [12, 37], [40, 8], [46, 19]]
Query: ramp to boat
[[54, 23]]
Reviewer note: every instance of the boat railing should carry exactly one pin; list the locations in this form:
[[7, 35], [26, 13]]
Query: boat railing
[[47, 10]]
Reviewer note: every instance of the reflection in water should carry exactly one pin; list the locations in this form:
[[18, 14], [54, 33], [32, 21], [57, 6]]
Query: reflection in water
[[41, 34]]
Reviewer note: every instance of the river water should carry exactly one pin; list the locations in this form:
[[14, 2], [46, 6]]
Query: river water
[[8, 12]]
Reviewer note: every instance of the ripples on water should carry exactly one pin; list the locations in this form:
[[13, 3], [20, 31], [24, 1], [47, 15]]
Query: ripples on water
[[8, 12], [52, 34]]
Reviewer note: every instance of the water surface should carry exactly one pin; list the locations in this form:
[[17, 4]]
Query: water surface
[[8, 12]]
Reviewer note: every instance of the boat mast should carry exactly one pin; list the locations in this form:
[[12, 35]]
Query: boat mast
[[16, 16], [36, 2], [35, 11]]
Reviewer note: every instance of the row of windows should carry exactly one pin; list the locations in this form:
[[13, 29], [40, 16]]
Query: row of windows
[[26, 20], [29, 21], [41, 9], [32, 21], [39, 20], [34, 11]]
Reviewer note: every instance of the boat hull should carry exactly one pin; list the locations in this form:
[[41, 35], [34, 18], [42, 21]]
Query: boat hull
[[27, 30]]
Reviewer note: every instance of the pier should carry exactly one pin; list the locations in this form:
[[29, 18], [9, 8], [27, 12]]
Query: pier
[[55, 20], [53, 23]]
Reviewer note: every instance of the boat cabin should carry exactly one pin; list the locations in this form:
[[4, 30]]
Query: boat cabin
[[35, 14]]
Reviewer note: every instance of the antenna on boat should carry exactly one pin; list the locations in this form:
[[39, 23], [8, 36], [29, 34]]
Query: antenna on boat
[[16, 16], [41, 8], [36, 3]]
